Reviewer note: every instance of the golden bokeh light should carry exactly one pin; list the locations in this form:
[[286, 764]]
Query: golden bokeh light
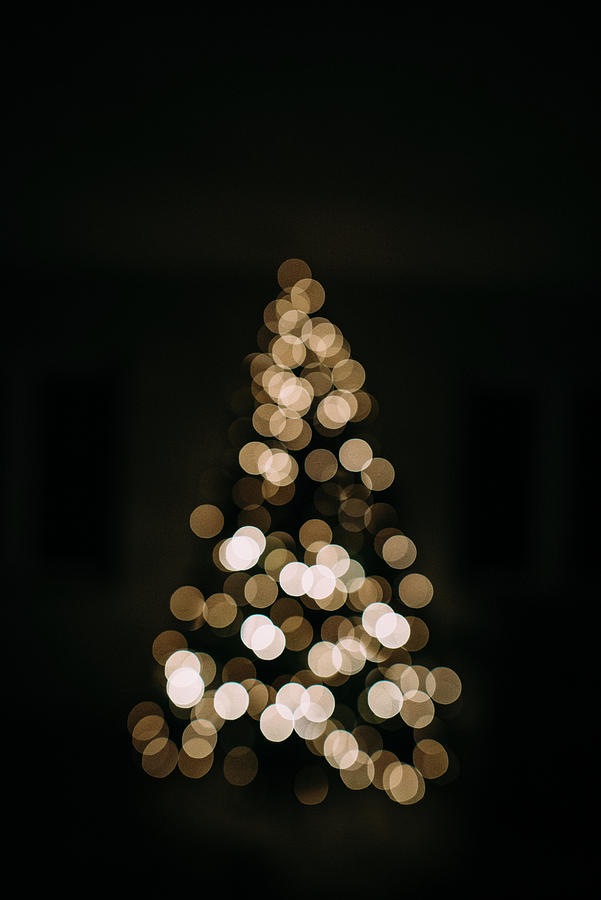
[[206, 521], [193, 767], [258, 697], [378, 475], [385, 699], [298, 632], [341, 749], [355, 455], [166, 643], [148, 728], [360, 774], [416, 590], [140, 711], [307, 294], [382, 760], [205, 709], [399, 551], [181, 659], [249, 456], [403, 783], [314, 531], [199, 738], [430, 758], [325, 659], [443, 685], [348, 375], [220, 610], [186, 603], [417, 709], [261, 591], [321, 465], [291, 271], [419, 635]]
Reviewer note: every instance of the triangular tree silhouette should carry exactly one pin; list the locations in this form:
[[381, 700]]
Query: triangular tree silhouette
[[308, 600]]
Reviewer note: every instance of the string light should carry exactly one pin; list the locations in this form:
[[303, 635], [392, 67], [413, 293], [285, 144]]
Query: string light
[[325, 590]]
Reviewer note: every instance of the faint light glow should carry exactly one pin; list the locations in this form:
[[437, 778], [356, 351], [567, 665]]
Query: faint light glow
[[240, 766], [311, 785], [307, 575], [239, 668]]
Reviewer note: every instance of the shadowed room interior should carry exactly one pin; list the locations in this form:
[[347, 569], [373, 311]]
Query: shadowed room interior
[[442, 188]]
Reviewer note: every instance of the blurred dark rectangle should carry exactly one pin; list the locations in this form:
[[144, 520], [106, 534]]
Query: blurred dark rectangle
[[4, 458], [583, 462], [80, 430], [499, 479]]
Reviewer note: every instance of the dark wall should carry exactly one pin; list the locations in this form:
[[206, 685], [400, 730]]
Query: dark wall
[[442, 188]]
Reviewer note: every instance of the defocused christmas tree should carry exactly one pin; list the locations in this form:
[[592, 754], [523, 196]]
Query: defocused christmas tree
[[303, 638]]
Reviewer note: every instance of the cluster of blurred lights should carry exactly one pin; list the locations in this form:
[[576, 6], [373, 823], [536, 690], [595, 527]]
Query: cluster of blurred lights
[[305, 384]]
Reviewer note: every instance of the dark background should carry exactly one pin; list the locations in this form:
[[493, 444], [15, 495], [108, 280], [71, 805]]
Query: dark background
[[439, 176]]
